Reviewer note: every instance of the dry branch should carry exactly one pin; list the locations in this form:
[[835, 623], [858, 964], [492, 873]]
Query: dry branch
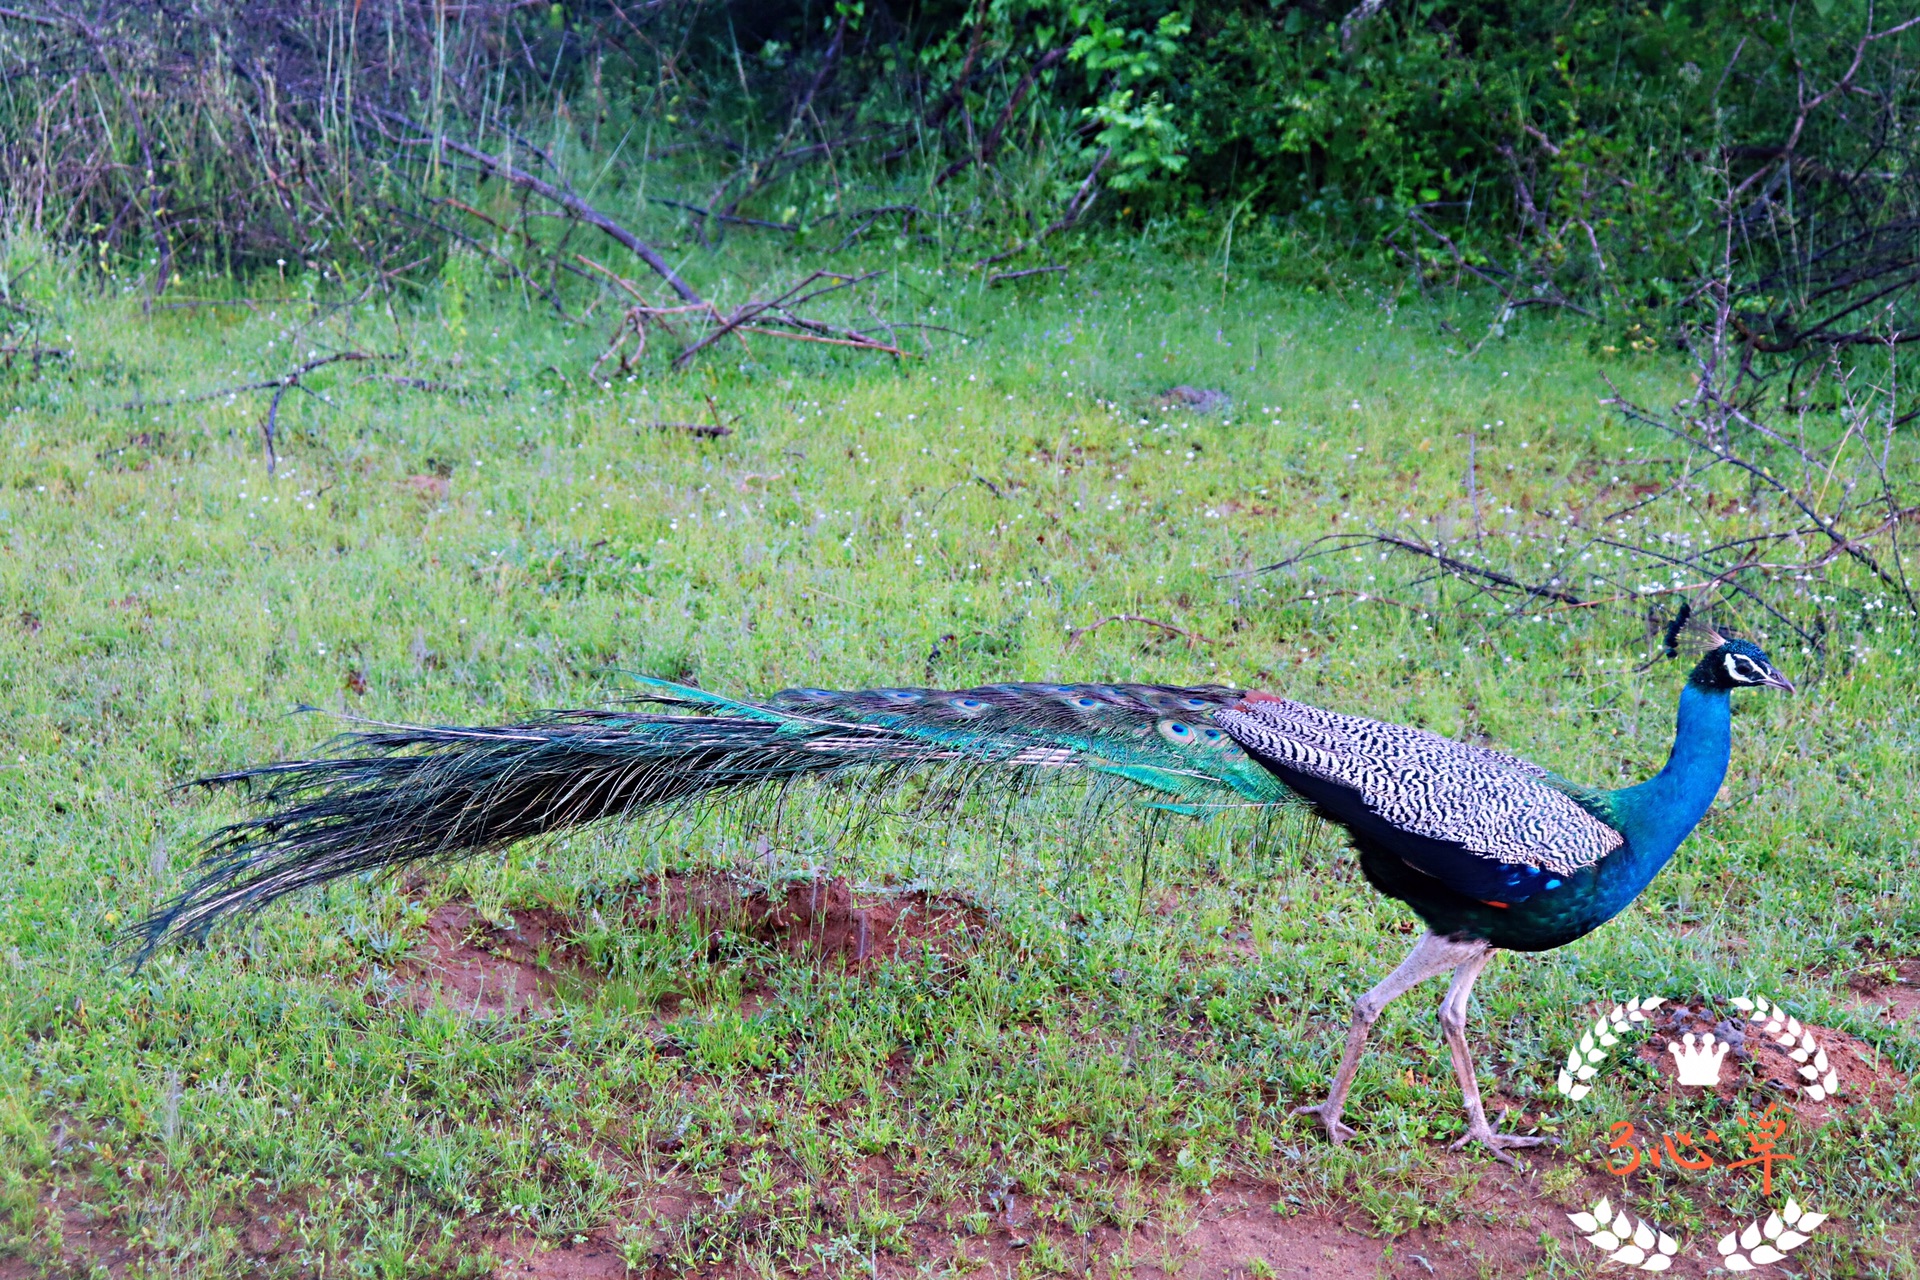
[[566, 199], [288, 381], [1076, 209], [990, 146], [1813, 506], [706, 430], [753, 317], [1077, 634], [33, 352], [998, 276]]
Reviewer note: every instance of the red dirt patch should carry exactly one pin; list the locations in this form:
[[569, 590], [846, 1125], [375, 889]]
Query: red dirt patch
[[825, 919], [828, 921], [486, 969], [1758, 1060], [1238, 1229], [519, 967], [595, 1259], [1298, 1248], [1897, 1001]]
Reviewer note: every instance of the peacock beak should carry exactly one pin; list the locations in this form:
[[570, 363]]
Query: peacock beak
[[1775, 680]]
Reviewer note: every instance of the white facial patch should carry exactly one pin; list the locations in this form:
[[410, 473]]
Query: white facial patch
[[1743, 670]]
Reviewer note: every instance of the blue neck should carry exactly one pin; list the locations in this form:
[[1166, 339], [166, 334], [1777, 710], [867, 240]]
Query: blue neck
[[1657, 815]]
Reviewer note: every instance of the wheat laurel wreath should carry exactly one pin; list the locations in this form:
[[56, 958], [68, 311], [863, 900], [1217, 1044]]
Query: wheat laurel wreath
[[1759, 1243], [1636, 1243], [1583, 1062], [1818, 1079], [1639, 1244]]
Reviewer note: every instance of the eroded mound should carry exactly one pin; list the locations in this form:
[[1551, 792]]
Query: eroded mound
[[523, 961], [1757, 1060]]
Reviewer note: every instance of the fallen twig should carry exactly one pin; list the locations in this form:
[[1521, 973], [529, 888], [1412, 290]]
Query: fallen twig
[[1077, 634], [1452, 564], [1076, 209], [998, 276], [567, 199], [706, 430], [279, 386], [774, 318], [863, 344], [33, 352], [415, 384], [781, 310], [288, 382], [734, 218]]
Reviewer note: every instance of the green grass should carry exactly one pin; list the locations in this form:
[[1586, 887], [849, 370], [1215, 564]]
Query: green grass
[[1103, 1055]]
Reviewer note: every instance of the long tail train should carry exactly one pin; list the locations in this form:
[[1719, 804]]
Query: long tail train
[[401, 795]]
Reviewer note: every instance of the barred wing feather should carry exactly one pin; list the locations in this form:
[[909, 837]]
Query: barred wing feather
[[1483, 803]]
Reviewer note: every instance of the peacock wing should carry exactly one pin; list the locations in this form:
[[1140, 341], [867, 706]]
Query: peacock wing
[[1486, 823]]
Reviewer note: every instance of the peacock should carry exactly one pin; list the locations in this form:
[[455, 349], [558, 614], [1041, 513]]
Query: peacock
[[1491, 852]]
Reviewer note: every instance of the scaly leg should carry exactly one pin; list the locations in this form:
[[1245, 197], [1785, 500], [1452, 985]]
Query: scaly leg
[[1431, 956], [1453, 1021]]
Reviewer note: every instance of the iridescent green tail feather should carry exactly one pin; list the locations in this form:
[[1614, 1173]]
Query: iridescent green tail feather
[[401, 795]]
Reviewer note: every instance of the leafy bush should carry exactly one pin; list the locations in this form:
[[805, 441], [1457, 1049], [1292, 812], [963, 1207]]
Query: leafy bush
[[1594, 156]]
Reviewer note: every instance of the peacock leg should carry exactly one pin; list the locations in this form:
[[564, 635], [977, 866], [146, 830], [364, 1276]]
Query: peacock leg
[[1453, 1022], [1430, 957]]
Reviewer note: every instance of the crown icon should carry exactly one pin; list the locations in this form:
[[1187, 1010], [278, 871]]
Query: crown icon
[[1699, 1059]]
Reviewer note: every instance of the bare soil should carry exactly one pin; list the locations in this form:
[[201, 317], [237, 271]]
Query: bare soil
[[826, 920], [484, 968], [1757, 1060], [1896, 1002], [1232, 1234], [519, 966]]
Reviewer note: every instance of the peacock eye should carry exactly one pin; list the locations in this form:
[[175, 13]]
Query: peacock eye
[[1194, 704], [1086, 703], [1174, 731], [1211, 735], [968, 704]]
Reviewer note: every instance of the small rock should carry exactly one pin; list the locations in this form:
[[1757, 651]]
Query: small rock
[[1196, 399], [1729, 1032]]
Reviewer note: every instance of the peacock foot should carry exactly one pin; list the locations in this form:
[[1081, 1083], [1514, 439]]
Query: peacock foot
[[1329, 1114], [1498, 1143]]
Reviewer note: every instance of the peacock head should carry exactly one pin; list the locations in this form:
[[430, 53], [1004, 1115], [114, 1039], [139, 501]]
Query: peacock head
[[1727, 662], [1737, 664]]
